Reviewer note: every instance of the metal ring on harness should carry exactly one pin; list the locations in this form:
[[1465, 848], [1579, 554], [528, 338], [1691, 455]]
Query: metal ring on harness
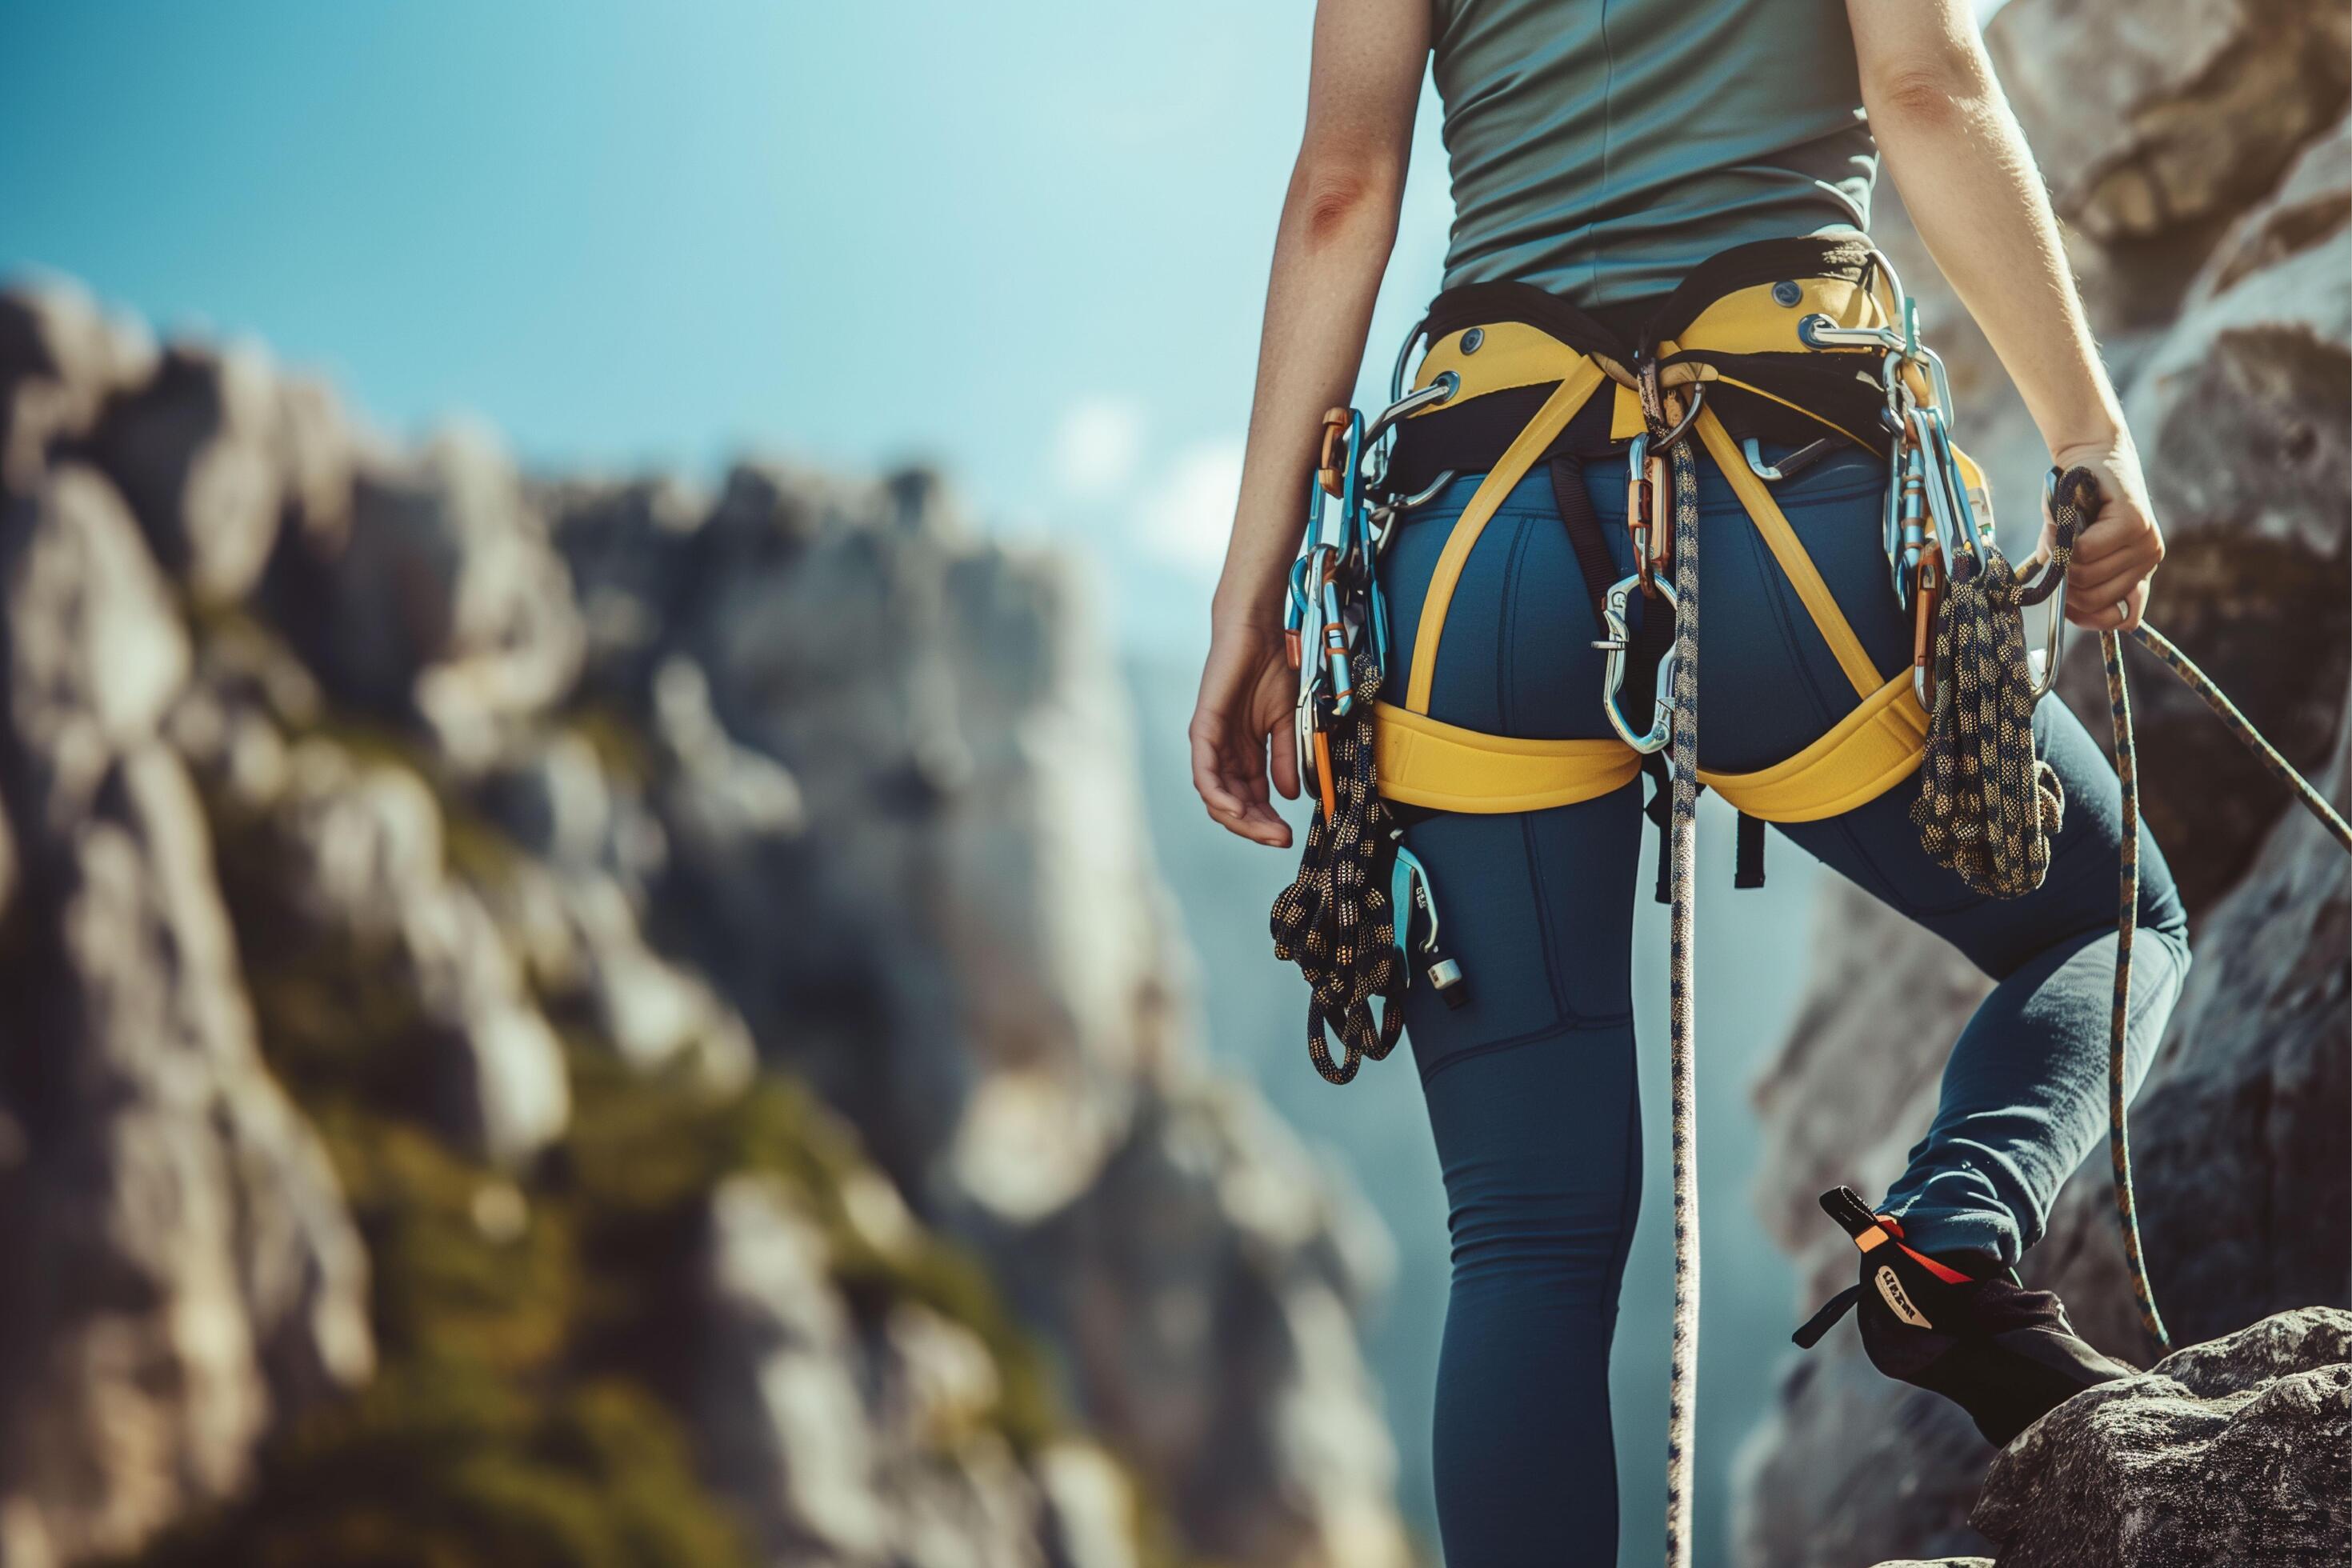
[[1616, 645]]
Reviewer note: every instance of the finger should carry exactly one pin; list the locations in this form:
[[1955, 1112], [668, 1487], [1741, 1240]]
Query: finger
[[1230, 799], [1286, 763], [1253, 820], [1213, 784], [2105, 585], [2117, 614], [2113, 531]]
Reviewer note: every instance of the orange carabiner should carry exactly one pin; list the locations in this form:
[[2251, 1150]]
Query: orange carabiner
[[1329, 471]]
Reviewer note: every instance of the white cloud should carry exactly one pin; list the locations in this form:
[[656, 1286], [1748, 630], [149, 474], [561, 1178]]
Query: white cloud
[[1185, 521], [1095, 446]]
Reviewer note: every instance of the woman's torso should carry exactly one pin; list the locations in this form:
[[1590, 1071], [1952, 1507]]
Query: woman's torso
[[1600, 149]]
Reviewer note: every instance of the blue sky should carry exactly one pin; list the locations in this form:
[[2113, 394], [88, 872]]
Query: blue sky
[[1027, 242]]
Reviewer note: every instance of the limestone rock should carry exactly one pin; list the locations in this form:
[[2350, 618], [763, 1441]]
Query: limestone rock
[[61, 358], [805, 772], [186, 1273], [96, 653], [846, 1444], [2159, 116], [446, 602], [195, 451], [2313, 203], [359, 856], [2233, 1451]]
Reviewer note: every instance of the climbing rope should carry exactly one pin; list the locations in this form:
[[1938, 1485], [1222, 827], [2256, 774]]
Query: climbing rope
[[1682, 991], [1336, 919], [2279, 768], [1987, 805]]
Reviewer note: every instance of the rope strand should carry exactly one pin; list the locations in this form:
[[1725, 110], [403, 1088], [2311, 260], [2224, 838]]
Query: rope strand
[[2111, 654], [1682, 1378]]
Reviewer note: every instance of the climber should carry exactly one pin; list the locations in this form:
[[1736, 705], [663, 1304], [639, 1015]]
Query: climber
[[1601, 156]]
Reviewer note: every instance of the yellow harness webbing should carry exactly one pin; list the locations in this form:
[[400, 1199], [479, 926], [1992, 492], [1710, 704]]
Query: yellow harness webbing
[[1426, 761], [1576, 387]]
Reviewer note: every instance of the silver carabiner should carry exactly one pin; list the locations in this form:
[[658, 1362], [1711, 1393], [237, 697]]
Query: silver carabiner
[[1616, 645], [2053, 644]]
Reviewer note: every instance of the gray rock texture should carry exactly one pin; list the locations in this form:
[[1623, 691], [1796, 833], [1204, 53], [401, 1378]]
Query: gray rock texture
[[2237, 1450], [183, 1273], [2154, 117], [366, 810]]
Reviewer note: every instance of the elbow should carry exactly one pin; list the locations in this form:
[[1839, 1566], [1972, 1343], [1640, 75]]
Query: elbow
[[1344, 196], [1937, 90]]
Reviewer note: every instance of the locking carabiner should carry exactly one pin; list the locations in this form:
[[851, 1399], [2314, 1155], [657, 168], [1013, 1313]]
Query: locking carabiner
[[1617, 644]]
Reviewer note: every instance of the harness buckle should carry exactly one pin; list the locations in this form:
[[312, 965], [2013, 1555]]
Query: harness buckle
[[1617, 644]]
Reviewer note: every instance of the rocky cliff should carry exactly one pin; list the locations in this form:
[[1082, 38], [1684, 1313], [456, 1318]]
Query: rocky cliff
[[2200, 152], [581, 1021]]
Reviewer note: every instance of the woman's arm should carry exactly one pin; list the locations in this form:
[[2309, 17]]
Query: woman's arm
[[1338, 222], [1961, 163]]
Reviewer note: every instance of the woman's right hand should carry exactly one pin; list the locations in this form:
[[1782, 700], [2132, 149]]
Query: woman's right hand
[[2116, 556], [1247, 689]]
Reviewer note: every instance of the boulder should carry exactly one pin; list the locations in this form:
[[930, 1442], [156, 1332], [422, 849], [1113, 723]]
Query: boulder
[[2237, 1451], [847, 1443], [356, 861], [444, 602], [61, 358], [2240, 401], [195, 450]]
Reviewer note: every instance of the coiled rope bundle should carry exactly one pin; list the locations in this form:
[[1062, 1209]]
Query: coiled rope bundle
[[1336, 919], [1988, 807]]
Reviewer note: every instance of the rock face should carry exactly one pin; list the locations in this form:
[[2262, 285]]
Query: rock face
[[2239, 1450], [2155, 116], [183, 1272], [428, 896], [2216, 246]]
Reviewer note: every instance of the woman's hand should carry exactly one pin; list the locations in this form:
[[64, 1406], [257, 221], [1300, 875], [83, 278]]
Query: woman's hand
[[1247, 692], [2116, 556]]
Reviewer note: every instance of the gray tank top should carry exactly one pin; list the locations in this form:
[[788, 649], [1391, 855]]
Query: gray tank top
[[1600, 149]]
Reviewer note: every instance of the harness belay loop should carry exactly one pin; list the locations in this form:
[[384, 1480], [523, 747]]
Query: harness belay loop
[[1988, 807], [1335, 921]]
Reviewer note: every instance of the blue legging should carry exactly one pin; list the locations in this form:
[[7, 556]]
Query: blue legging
[[1531, 1085]]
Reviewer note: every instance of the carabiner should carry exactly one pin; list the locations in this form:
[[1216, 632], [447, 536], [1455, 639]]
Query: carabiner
[[2054, 646], [1644, 526], [1616, 645]]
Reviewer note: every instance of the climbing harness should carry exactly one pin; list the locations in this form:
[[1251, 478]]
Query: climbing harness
[[1812, 344]]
